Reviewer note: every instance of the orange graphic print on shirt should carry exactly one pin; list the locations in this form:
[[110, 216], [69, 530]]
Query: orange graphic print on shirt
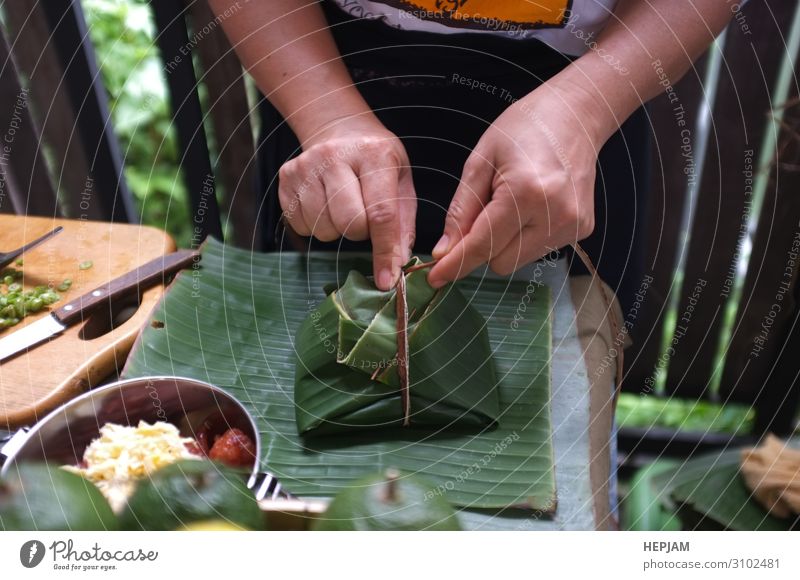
[[488, 14]]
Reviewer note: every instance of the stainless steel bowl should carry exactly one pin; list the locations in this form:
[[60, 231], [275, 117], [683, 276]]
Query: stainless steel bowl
[[62, 436]]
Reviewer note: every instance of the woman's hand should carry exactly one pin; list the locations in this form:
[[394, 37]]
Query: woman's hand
[[353, 179], [526, 189]]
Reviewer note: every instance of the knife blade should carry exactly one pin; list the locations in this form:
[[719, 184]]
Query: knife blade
[[76, 310]]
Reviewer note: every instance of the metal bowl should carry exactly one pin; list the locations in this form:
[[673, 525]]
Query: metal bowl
[[62, 436]]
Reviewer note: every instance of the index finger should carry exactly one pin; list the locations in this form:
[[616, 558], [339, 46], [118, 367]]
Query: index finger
[[379, 186]]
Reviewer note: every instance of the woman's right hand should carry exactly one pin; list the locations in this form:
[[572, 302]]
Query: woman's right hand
[[353, 179]]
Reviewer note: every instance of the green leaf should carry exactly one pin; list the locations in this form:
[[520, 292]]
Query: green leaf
[[356, 385], [642, 510], [233, 322], [711, 486]]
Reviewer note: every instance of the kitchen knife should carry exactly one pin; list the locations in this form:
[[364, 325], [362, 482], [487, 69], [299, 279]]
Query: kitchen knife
[[7, 257], [77, 309]]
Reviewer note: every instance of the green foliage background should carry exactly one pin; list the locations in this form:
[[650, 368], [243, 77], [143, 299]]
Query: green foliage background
[[123, 34]]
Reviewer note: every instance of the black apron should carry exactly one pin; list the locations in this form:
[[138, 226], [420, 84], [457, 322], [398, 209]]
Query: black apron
[[413, 82]]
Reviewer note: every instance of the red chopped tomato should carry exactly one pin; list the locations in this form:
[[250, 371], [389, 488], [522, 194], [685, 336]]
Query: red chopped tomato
[[233, 448]]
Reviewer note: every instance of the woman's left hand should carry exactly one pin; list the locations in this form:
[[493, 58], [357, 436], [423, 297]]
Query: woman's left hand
[[526, 189]]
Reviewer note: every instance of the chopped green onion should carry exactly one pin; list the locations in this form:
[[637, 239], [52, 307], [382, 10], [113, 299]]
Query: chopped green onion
[[50, 297], [64, 286], [16, 302], [85, 265]]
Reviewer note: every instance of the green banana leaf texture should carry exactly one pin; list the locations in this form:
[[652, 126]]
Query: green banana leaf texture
[[710, 487], [347, 369], [232, 323]]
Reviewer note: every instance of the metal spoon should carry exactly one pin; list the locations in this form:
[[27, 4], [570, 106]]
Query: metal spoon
[[8, 257]]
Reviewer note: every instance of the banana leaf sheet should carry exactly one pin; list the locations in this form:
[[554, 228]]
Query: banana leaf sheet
[[232, 322]]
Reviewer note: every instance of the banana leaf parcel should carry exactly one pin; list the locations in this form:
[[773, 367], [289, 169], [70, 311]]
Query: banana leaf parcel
[[233, 323], [409, 356]]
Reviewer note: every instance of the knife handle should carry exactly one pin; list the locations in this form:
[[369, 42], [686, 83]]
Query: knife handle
[[142, 277]]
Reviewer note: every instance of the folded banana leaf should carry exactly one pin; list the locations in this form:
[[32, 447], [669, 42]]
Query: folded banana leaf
[[351, 374], [233, 323], [711, 494]]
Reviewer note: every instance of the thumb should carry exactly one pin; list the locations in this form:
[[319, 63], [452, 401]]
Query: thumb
[[472, 194]]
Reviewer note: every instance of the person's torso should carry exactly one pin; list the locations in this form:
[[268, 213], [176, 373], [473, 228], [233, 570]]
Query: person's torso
[[569, 26]]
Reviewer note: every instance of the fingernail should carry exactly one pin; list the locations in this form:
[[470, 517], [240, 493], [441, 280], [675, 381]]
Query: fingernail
[[385, 279], [441, 246], [436, 284]]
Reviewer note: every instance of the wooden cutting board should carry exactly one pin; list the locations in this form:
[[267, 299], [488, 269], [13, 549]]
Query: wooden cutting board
[[33, 384]]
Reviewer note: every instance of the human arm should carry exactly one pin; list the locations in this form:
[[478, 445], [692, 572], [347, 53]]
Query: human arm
[[528, 186], [353, 177]]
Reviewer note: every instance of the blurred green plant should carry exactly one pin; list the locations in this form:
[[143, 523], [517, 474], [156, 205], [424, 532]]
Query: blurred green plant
[[682, 414], [123, 34]]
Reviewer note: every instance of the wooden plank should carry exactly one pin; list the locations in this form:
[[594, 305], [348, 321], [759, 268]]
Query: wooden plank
[[36, 382], [74, 48], [667, 192], [767, 317], [34, 54], [20, 141], [779, 403], [230, 115], [12, 202], [173, 41], [751, 59]]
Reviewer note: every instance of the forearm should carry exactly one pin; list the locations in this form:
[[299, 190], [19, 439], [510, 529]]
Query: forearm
[[287, 48], [645, 42]]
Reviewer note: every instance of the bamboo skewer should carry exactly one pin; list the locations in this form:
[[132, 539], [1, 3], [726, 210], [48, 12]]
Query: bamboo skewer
[[422, 266], [402, 338], [402, 348]]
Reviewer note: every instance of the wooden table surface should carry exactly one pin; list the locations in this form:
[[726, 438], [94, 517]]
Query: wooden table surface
[[36, 382]]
